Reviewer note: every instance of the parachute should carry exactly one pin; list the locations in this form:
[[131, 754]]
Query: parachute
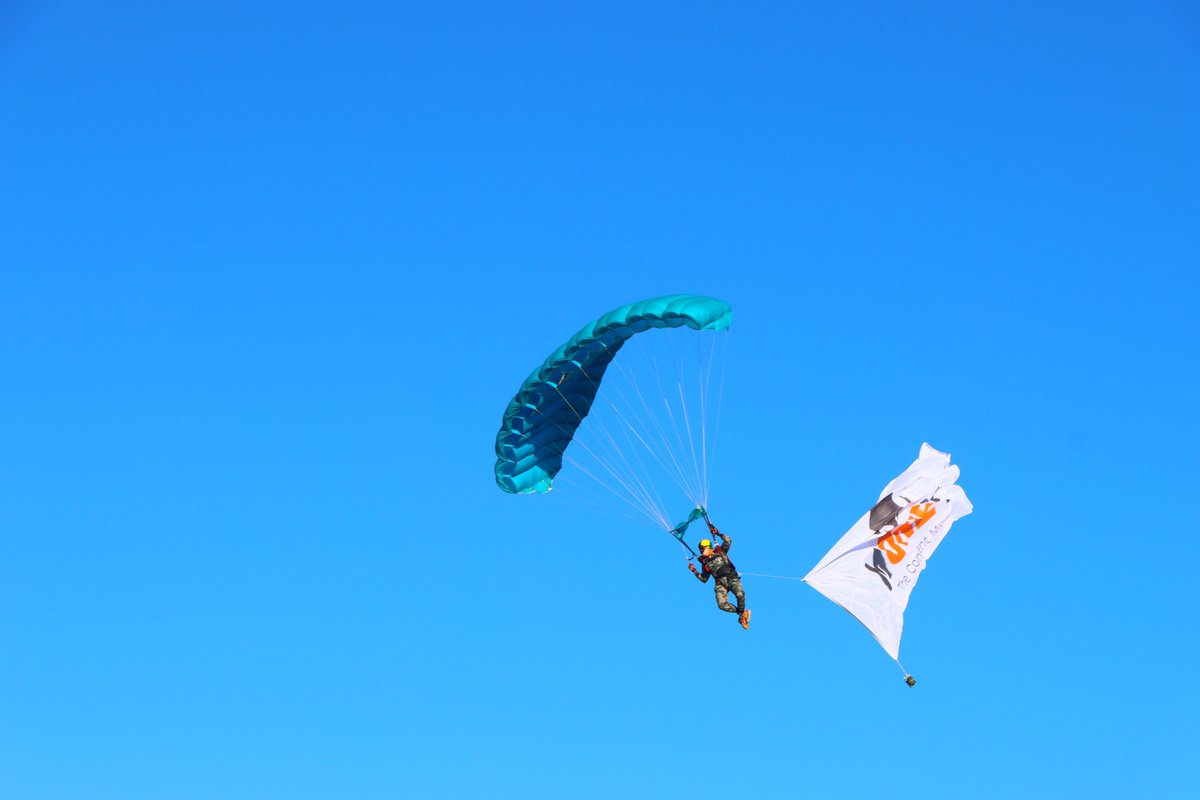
[[541, 421]]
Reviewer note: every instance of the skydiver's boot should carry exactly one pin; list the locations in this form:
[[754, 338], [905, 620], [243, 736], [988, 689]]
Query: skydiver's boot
[[744, 619]]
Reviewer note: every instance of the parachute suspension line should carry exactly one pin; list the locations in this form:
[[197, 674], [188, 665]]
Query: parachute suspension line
[[678, 474], [588, 492], [702, 379], [585, 492], [613, 456], [694, 488], [685, 445], [647, 507], [686, 452], [634, 494], [663, 444], [629, 479], [637, 473], [711, 458], [673, 449], [675, 469], [692, 493], [631, 429], [615, 452], [630, 433], [699, 491], [705, 381]]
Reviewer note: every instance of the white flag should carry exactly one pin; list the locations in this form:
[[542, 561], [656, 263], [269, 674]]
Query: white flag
[[872, 570]]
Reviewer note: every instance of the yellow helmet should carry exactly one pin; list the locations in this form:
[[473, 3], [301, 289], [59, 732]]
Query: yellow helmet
[[704, 543]]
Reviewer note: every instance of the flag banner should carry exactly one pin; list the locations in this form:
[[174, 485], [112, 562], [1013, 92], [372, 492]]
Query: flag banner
[[872, 570]]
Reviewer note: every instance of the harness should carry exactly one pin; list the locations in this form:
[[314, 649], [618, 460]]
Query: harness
[[725, 571]]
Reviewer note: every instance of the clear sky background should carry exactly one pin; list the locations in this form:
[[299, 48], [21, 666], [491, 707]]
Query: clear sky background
[[271, 272]]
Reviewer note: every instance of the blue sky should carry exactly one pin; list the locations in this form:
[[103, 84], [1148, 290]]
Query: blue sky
[[271, 274]]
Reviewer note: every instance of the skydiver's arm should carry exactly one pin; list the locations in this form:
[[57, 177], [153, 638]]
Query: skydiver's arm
[[725, 540], [701, 574]]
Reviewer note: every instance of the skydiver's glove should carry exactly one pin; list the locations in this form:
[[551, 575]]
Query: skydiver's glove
[[692, 567], [713, 529]]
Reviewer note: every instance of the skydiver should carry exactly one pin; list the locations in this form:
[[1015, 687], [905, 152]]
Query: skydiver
[[717, 565]]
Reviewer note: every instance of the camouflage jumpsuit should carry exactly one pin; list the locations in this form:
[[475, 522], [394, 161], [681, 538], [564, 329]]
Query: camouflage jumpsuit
[[721, 569]]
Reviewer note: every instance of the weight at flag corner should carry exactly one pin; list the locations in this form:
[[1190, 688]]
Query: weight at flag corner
[[872, 570]]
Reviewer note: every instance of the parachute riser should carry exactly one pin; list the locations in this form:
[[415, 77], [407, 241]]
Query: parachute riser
[[679, 537], [679, 530]]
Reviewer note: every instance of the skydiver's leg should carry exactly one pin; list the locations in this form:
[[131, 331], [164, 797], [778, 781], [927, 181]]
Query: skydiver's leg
[[723, 597], [735, 586]]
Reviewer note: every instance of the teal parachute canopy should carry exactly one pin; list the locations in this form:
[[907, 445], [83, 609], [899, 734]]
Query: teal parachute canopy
[[542, 418]]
